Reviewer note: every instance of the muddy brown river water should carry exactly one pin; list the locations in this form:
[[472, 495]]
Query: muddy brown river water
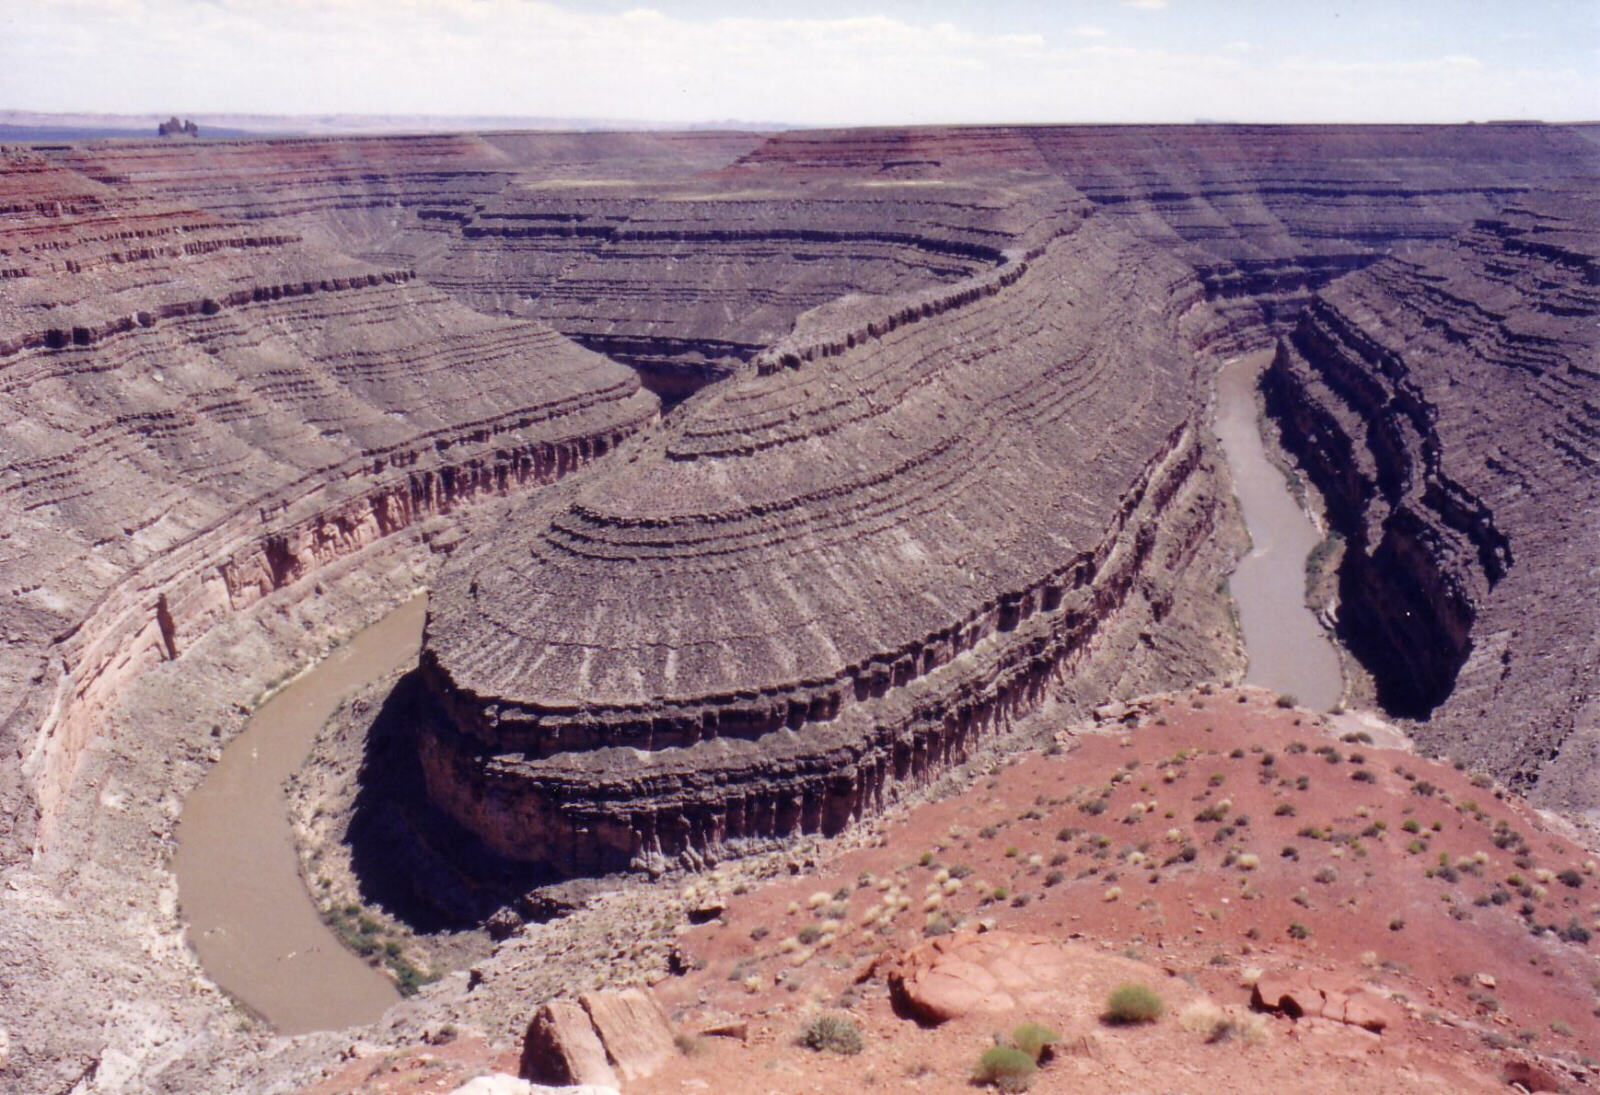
[[250, 919], [1289, 651]]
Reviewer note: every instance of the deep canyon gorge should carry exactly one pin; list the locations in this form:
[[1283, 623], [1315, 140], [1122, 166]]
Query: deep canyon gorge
[[757, 481]]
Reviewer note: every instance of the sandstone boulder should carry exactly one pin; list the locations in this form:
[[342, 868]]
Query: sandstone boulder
[[968, 974], [1316, 995], [633, 1028], [561, 1047], [1530, 1075]]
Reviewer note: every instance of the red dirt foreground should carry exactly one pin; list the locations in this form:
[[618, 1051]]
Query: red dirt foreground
[[1311, 911]]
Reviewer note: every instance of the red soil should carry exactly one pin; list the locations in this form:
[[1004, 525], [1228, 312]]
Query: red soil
[[1412, 914]]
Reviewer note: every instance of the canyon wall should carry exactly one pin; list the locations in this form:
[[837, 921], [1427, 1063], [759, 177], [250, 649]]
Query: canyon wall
[[1446, 401], [201, 411], [828, 576]]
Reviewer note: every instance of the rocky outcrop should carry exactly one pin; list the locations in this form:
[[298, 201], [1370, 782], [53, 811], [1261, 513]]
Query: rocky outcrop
[[200, 412], [1302, 994], [1446, 403], [996, 973], [828, 579]]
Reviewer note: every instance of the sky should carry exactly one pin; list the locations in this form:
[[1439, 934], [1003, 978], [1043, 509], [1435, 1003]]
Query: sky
[[824, 63]]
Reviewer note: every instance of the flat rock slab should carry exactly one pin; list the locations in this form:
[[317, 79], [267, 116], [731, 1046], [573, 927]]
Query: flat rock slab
[[1341, 998], [968, 974]]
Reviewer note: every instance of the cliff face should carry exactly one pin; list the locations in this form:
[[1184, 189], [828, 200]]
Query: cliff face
[[620, 241], [831, 574], [1446, 401], [201, 411]]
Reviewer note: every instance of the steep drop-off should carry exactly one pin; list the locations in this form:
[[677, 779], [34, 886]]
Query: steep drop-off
[[201, 411], [1447, 403], [831, 575]]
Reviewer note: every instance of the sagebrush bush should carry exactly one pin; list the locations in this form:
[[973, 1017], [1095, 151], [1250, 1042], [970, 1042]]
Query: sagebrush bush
[[1004, 1067], [832, 1034], [1133, 1003], [1035, 1040]]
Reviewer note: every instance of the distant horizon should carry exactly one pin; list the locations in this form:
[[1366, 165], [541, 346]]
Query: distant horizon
[[675, 64], [96, 125]]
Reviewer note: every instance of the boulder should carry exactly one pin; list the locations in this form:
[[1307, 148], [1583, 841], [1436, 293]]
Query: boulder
[[1300, 994], [633, 1028], [968, 974], [1531, 1075], [561, 1047]]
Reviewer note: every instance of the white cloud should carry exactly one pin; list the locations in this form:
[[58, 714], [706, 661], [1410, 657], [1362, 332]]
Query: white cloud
[[540, 58]]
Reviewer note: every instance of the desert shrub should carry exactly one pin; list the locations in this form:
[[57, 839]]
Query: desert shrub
[[832, 1034], [1035, 1039], [1004, 1067], [810, 934], [1298, 930], [1287, 701], [1133, 1003], [1570, 877]]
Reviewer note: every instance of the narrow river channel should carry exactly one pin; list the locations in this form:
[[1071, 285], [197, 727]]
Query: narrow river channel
[[249, 917], [1289, 651]]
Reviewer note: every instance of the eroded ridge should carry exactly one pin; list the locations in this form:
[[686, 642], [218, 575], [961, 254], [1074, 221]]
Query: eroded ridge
[[204, 410], [1447, 403], [826, 578]]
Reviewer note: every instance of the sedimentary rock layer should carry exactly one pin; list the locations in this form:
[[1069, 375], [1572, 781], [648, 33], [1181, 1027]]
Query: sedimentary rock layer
[[684, 254], [200, 411], [1265, 214], [831, 573], [1447, 403]]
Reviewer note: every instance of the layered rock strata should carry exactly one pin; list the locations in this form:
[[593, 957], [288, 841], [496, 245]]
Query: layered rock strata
[[201, 411], [832, 574], [1446, 401], [684, 254], [686, 285], [1265, 214]]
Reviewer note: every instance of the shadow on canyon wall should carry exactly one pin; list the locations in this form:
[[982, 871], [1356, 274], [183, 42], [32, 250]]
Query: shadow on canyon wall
[[411, 858]]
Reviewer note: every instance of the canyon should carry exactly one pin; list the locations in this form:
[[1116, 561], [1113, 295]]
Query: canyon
[[757, 479]]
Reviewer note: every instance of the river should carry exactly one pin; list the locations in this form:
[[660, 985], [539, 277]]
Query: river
[[250, 919], [1289, 650]]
